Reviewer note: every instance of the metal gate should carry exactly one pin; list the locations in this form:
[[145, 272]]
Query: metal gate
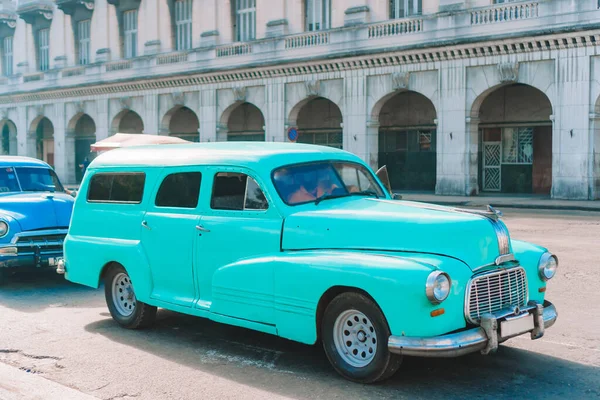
[[491, 166]]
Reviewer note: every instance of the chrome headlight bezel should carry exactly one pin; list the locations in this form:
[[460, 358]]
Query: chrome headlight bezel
[[430, 287], [546, 260], [4, 228]]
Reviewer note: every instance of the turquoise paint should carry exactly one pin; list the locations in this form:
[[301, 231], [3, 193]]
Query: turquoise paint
[[267, 270]]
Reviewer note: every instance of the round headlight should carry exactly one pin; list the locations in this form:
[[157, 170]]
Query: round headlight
[[437, 287], [547, 267], [3, 229]]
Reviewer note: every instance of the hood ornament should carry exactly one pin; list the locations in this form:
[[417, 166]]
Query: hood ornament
[[498, 213]]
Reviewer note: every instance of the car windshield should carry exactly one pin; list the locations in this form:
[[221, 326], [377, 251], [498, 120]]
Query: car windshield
[[29, 179], [313, 182]]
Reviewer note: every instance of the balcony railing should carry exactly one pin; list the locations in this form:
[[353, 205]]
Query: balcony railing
[[505, 13], [237, 49], [73, 72], [394, 28], [118, 65], [307, 40], [38, 76], [172, 58]]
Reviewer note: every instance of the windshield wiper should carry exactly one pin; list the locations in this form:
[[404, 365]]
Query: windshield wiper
[[365, 193], [327, 196], [337, 196]]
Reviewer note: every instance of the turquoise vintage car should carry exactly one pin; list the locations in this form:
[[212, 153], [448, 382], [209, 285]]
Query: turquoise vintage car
[[304, 242]]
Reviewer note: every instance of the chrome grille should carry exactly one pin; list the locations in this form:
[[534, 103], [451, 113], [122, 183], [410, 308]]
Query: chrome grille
[[496, 291]]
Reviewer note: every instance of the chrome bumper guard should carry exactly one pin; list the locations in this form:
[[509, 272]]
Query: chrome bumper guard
[[485, 338]]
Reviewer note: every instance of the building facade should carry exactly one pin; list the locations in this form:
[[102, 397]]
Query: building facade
[[455, 96]]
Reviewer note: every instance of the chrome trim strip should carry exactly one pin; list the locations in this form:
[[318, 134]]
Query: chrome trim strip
[[460, 343], [489, 274], [38, 233], [504, 258]]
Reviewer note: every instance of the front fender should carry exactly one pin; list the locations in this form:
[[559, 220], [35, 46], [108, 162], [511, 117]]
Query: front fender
[[395, 281], [528, 255]]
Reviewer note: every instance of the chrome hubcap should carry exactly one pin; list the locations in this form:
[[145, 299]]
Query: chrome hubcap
[[355, 338], [123, 295]]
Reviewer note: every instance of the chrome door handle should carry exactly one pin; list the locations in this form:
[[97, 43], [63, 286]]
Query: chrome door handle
[[201, 228], [145, 225]]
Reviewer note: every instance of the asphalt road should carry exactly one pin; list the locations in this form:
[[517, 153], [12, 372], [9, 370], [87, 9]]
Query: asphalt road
[[64, 333]]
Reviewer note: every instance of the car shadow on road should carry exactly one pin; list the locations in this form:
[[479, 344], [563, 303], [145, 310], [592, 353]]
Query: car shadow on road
[[32, 291], [299, 371]]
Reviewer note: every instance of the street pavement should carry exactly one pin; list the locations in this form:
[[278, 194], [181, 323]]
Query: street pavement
[[56, 331]]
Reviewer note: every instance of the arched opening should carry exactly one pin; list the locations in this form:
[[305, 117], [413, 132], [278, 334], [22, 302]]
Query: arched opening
[[407, 141], [9, 137], [183, 123], [515, 141], [246, 123], [320, 122], [44, 141], [129, 122], [85, 136]]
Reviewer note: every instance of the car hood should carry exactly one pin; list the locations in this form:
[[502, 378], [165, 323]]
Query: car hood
[[389, 225], [37, 210]]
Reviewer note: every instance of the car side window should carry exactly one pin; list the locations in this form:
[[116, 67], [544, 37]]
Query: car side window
[[117, 187], [237, 191], [181, 189]]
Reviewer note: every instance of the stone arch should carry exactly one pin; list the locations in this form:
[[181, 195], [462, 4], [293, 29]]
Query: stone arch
[[319, 121], [8, 129], [242, 121], [511, 135], [182, 122], [407, 139], [41, 133], [127, 121], [81, 134], [293, 114]]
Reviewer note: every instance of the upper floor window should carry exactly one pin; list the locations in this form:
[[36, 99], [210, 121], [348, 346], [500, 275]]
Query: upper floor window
[[130, 33], [405, 8], [245, 18], [235, 191], [44, 49], [83, 37], [7, 65], [183, 24], [318, 15]]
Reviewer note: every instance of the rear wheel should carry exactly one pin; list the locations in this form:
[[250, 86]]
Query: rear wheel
[[122, 303], [355, 337]]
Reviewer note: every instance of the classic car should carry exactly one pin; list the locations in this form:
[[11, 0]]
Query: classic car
[[304, 242], [35, 210]]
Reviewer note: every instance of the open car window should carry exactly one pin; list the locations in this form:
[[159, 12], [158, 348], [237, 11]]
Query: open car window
[[237, 191], [308, 182]]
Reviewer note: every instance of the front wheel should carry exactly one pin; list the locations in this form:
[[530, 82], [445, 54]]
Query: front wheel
[[355, 337], [122, 303]]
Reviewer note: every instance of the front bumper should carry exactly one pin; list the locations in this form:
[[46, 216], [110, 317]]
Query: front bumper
[[41, 248], [484, 338]]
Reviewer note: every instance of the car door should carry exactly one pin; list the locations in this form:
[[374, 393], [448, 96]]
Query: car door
[[240, 229], [169, 233]]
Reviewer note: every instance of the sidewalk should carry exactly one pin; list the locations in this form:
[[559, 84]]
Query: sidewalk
[[16, 384], [529, 202]]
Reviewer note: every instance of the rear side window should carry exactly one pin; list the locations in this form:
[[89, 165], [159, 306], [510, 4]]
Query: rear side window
[[179, 190], [117, 187], [235, 191]]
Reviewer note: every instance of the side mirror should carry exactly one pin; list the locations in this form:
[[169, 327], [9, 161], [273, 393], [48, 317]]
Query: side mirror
[[383, 176], [73, 193], [397, 196]]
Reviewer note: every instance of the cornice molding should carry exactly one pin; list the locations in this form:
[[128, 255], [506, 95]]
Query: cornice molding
[[390, 59]]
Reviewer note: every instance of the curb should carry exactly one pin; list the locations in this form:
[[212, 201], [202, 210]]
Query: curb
[[504, 205]]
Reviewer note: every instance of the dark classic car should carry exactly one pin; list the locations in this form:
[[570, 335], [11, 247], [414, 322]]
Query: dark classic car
[[35, 210]]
